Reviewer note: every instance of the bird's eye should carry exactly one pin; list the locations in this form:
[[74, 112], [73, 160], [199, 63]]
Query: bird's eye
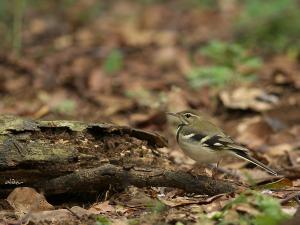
[[187, 115]]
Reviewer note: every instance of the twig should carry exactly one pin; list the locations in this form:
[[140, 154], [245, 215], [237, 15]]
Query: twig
[[295, 196], [73, 213]]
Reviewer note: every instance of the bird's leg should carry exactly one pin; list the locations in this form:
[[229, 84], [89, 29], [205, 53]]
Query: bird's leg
[[215, 169], [218, 163]]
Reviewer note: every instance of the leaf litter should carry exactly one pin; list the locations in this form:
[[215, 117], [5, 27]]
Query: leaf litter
[[129, 65]]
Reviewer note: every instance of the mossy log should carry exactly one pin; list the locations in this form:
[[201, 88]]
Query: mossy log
[[69, 156]]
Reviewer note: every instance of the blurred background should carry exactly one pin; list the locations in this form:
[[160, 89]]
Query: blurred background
[[128, 62]]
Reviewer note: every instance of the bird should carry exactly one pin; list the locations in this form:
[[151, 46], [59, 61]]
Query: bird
[[204, 142]]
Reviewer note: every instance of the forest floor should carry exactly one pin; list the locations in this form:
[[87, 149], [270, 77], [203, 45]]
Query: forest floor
[[134, 62]]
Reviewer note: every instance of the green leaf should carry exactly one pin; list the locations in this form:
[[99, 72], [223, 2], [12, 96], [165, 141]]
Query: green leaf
[[253, 63], [101, 220], [66, 106], [210, 76], [270, 25], [262, 209], [156, 206], [113, 62], [229, 54]]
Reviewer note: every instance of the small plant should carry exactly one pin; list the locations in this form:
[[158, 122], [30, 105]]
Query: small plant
[[231, 62], [230, 55], [67, 106], [11, 22], [18, 13], [156, 206], [113, 62], [134, 222], [259, 209], [210, 76], [102, 220], [270, 25], [205, 4]]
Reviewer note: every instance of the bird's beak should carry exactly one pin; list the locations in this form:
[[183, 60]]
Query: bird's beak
[[172, 114]]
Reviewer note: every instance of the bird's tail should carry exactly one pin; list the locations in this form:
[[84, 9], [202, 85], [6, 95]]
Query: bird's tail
[[243, 155]]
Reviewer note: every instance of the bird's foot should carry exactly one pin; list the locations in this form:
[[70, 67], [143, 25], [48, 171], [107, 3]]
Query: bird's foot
[[218, 171]]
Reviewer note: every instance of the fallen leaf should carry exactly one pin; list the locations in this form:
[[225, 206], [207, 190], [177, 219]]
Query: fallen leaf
[[285, 70], [177, 100], [295, 220], [246, 208], [79, 211], [25, 199], [134, 198], [102, 207], [248, 98], [253, 132], [277, 185]]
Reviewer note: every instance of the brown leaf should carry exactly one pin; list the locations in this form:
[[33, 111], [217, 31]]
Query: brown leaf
[[278, 185], [134, 198], [177, 100], [246, 208], [99, 82], [102, 207], [253, 132], [248, 98], [79, 211], [295, 220], [25, 199]]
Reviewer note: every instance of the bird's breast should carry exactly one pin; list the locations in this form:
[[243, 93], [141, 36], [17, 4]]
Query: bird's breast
[[200, 153]]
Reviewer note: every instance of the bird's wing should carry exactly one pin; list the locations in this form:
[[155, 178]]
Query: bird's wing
[[213, 141], [220, 142], [243, 153]]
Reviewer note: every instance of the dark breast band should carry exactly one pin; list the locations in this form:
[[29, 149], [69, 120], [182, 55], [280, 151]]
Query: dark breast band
[[179, 128]]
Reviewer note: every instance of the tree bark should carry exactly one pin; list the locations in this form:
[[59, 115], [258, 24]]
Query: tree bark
[[68, 157], [103, 176]]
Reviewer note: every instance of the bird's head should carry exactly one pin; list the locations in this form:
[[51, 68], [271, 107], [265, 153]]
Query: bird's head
[[186, 117]]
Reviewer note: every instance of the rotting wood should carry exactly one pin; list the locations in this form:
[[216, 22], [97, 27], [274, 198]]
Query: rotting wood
[[63, 156], [102, 177]]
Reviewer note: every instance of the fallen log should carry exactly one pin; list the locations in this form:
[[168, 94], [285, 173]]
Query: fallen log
[[68, 156], [102, 177]]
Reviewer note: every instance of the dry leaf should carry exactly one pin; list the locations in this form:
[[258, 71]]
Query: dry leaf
[[246, 208], [278, 185], [253, 132], [102, 207], [134, 198], [25, 199], [248, 98], [79, 211]]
